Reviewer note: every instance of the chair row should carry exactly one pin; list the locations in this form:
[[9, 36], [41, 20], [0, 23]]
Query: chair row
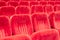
[[28, 0], [26, 24], [22, 24], [27, 3], [49, 34], [9, 10]]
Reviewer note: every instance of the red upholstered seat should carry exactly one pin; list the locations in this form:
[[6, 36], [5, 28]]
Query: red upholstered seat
[[57, 8], [34, 3], [17, 37], [2, 3], [48, 9], [21, 24], [28, 0], [40, 22], [22, 10], [7, 10], [43, 3], [5, 29], [37, 8], [13, 3], [50, 34], [24, 3], [57, 2], [5, 0], [15, 0], [51, 3]]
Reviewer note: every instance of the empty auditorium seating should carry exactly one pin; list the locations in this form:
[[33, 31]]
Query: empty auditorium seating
[[22, 10], [40, 22], [13, 3], [2, 3], [21, 24], [7, 10], [5, 29], [37, 8], [26, 19], [17, 37], [24, 3], [50, 34]]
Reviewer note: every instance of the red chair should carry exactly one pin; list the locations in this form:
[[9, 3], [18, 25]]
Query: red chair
[[40, 22], [22, 37], [57, 2], [48, 9], [21, 24], [22, 10], [51, 3], [17, 37], [56, 20], [5, 29], [2, 3], [51, 20], [37, 8], [57, 8], [7, 10], [5, 0], [43, 3], [7, 38], [13, 3], [43, 0], [49, 34], [15, 0], [34, 3], [28, 0], [24, 3], [40, 0]]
